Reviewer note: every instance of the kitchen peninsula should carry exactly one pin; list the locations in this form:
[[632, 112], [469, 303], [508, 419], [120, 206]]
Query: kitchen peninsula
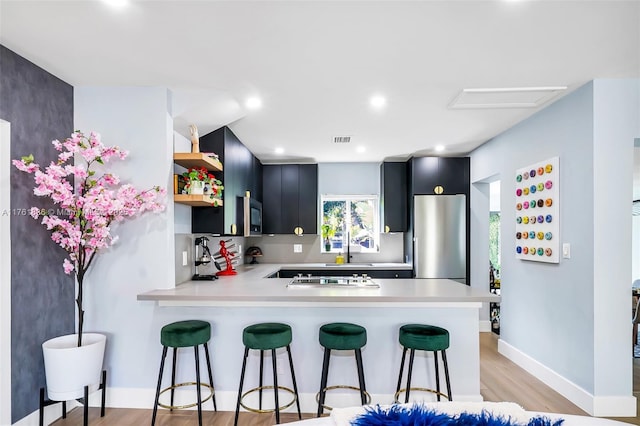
[[231, 303]]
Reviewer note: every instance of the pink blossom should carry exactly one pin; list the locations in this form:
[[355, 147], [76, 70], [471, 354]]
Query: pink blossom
[[96, 202], [78, 171], [21, 165], [34, 212], [68, 266]]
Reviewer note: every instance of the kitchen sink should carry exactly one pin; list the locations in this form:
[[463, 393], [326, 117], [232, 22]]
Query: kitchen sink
[[348, 264], [333, 282]]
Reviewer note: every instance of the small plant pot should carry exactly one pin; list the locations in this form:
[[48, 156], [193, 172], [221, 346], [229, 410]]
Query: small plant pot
[[196, 187]]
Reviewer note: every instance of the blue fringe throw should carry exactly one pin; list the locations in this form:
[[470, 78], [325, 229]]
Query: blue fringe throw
[[422, 416]]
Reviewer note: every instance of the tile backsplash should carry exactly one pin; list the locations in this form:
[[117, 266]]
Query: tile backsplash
[[280, 249]]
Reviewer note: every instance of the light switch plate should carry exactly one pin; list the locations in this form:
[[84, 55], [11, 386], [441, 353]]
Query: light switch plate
[[297, 248], [185, 258], [566, 251]]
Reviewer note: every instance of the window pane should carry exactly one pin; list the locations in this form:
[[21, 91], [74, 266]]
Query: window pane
[[363, 223], [351, 217], [333, 215]]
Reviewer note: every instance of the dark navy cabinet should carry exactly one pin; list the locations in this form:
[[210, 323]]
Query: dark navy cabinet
[[393, 196], [451, 174], [242, 173], [290, 198]]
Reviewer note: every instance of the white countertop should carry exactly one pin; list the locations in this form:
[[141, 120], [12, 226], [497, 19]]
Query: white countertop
[[251, 288]]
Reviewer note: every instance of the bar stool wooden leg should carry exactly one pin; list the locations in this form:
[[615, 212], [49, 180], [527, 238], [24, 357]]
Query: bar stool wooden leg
[[446, 374], [435, 359], [293, 379], [323, 380], [260, 384], [275, 384], [198, 391], [155, 403], [404, 354], [412, 354], [173, 376], [244, 366], [206, 353], [363, 388]]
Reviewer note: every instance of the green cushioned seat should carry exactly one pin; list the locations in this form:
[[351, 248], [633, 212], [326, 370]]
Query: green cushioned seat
[[343, 336], [268, 335], [183, 334], [424, 337]]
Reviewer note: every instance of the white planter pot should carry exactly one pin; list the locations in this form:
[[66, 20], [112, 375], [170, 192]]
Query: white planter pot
[[196, 188], [69, 368]]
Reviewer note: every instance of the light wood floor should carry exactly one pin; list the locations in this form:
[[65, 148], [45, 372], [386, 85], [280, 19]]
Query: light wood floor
[[500, 380]]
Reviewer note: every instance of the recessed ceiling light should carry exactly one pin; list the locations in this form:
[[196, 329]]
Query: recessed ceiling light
[[439, 148], [361, 149], [254, 103], [117, 3], [378, 101], [279, 150]]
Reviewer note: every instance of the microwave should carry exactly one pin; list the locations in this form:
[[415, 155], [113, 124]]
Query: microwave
[[252, 217]]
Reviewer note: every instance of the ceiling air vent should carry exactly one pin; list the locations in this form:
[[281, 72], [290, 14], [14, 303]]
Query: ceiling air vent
[[341, 139], [505, 97]]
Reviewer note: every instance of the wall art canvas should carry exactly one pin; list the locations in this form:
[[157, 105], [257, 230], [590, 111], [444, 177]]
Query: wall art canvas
[[537, 204]]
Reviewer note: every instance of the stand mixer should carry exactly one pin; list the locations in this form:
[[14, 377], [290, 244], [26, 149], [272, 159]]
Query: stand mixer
[[202, 259]]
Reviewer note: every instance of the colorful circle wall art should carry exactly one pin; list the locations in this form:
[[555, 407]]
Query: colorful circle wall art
[[537, 235]]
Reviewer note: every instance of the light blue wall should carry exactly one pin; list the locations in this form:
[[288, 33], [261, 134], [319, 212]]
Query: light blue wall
[[349, 178], [552, 312], [137, 119]]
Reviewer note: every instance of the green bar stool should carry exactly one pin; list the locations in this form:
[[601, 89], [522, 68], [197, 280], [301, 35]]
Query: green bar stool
[[341, 336], [262, 337], [183, 334], [424, 338]]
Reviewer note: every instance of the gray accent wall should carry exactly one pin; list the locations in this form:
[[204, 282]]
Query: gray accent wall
[[39, 107]]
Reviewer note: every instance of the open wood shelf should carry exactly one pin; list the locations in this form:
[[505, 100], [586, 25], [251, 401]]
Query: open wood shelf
[[197, 159], [197, 200]]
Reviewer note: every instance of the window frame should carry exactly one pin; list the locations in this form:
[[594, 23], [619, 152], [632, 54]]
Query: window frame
[[374, 198]]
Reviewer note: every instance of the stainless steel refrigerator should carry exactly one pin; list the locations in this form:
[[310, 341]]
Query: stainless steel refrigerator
[[439, 236]]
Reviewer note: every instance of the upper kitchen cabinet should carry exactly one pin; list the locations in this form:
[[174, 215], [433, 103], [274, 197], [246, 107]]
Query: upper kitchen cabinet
[[242, 173], [290, 198], [393, 193], [440, 175]]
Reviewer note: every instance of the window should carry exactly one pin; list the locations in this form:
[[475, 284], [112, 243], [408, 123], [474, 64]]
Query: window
[[354, 218]]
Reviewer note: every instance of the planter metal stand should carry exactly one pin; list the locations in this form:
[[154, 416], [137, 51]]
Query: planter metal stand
[[84, 401]]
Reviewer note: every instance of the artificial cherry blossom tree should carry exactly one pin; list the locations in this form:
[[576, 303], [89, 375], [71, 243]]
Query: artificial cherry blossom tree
[[89, 203]]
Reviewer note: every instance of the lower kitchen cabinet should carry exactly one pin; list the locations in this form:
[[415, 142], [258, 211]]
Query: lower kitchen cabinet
[[373, 273]]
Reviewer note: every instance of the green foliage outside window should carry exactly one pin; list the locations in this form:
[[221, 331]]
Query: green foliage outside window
[[494, 239]]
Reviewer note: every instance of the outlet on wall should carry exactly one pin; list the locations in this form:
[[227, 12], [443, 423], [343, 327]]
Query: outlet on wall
[[297, 248], [185, 258]]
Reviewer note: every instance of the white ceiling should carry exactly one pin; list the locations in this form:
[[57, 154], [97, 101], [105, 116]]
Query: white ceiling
[[315, 64]]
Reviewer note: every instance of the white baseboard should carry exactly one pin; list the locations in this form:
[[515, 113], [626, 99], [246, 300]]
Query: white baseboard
[[485, 326], [599, 406]]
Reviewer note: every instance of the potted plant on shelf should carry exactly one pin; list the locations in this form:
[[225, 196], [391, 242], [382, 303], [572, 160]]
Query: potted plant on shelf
[[89, 206], [199, 181], [328, 231]]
